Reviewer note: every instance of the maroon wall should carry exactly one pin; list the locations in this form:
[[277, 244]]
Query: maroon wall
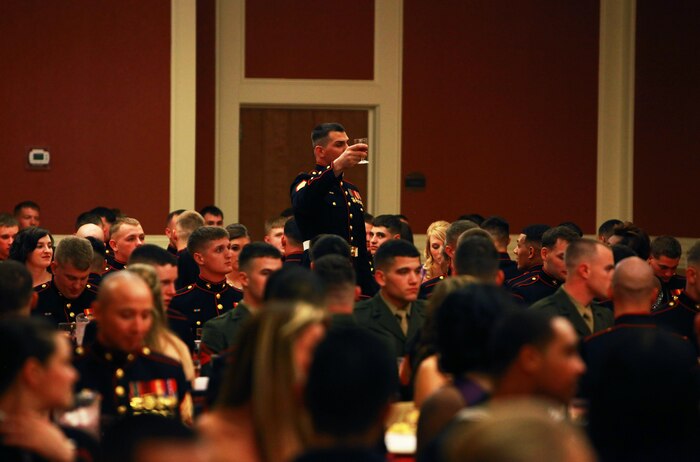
[[500, 110], [667, 117], [206, 103], [91, 81], [313, 39]]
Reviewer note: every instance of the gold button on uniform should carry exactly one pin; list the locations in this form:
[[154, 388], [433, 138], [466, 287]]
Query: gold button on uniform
[[67, 305], [119, 373], [146, 351], [218, 296], [72, 315], [199, 323], [220, 306], [351, 215], [333, 204], [121, 410], [130, 357], [119, 390]]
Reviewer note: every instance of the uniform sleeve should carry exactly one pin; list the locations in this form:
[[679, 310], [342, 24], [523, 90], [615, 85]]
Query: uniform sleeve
[[212, 338], [308, 190]]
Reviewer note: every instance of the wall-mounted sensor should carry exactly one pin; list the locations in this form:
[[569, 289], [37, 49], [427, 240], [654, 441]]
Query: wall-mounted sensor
[[38, 158]]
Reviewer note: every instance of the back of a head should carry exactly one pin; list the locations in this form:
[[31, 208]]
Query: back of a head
[[256, 250], [517, 431], [477, 256], [573, 227], [513, 332], [151, 254], [633, 281], [236, 231], [292, 232], [129, 436], [463, 324], [620, 252], [606, 228], [186, 223], [76, 251], [473, 217], [329, 244], [693, 256], [15, 289], [87, 218], [20, 340], [105, 212], [99, 252], [666, 246], [456, 229], [348, 388], [633, 237], [294, 284], [498, 228], [336, 274], [580, 251], [202, 236], [406, 232], [390, 250]]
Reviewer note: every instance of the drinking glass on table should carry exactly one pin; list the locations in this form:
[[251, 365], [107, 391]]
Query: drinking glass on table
[[361, 141]]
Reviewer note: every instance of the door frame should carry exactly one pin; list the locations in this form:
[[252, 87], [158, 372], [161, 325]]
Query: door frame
[[381, 97]]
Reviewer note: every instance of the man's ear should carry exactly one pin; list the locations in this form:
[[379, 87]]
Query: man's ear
[[113, 244], [396, 236], [500, 277], [244, 279], [54, 264], [32, 373], [284, 241], [198, 258], [380, 277], [531, 253], [449, 251], [358, 292], [543, 253], [529, 358]]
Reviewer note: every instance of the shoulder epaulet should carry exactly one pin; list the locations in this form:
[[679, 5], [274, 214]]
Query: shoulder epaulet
[[184, 290], [42, 287]]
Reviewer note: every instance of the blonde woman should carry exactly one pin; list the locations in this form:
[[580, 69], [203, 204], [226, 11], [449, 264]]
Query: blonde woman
[[259, 415], [160, 338], [436, 264]]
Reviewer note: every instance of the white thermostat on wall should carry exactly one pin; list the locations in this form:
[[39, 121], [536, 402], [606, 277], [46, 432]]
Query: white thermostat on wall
[[39, 158]]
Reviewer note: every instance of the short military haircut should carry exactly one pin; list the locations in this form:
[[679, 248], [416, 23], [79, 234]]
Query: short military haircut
[[498, 228], [533, 234], [26, 205], [456, 229], [15, 287], [477, 256], [173, 214], [20, 340], [7, 220], [120, 223], [151, 254], [579, 251], [236, 231], [26, 241], [274, 222], [620, 252], [552, 235], [105, 212], [573, 227], [292, 232], [694, 255], [187, 222], [75, 251], [212, 210], [635, 238], [287, 213], [88, 218], [365, 376], [666, 246], [294, 284], [474, 232], [256, 250], [369, 218], [387, 253], [463, 323], [201, 237], [606, 229], [319, 135], [513, 332], [335, 272], [99, 252], [329, 244], [391, 222], [473, 217]]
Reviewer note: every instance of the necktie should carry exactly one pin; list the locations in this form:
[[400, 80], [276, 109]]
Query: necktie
[[403, 321], [588, 318]]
